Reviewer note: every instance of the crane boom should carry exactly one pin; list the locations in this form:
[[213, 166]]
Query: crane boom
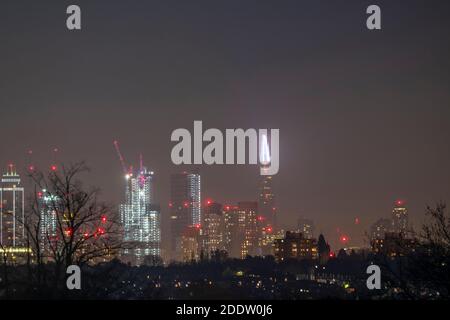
[[122, 160]]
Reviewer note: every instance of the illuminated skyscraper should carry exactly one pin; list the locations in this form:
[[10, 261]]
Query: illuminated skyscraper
[[213, 226], [266, 203], [12, 214], [400, 218], [140, 218], [48, 207], [185, 207], [241, 232]]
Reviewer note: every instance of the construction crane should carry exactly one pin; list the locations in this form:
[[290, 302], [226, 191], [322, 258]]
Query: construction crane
[[122, 160]]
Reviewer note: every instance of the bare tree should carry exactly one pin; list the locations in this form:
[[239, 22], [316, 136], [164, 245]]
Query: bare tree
[[424, 273], [430, 266], [67, 224]]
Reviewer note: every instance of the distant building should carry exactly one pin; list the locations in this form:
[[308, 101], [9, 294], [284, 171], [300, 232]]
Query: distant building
[[266, 237], [380, 228], [248, 212], [12, 217], [266, 203], [191, 244], [140, 218], [185, 207], [394, 244], [267, 240], [241, 232], [12, 214], [306, 227], [213, 226], [231, 238], [295, 246], [48, 206], [400, 218]]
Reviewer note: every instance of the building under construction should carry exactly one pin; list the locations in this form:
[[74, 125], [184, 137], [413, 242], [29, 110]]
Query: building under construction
[[140, 217]]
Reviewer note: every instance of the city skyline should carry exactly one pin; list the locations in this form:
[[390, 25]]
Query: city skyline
[[362, 116], [140, 217]]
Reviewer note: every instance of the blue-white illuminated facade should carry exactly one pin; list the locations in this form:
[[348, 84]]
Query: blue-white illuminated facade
[[140, 218]]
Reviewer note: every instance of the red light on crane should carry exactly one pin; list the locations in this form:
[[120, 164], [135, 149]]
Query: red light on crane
[[104, 219]]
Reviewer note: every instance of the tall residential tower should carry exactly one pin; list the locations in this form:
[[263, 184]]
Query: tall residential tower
[[185, 207], [400, 218], [12, 214]]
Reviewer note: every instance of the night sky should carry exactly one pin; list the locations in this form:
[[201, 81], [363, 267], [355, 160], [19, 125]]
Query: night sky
[[363, 116]]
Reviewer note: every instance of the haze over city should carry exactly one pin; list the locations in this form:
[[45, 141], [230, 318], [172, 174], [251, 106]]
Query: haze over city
[[363, 118]]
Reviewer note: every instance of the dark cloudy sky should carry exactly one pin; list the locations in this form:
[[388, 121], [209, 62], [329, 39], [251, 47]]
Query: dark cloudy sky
[[363, 116]]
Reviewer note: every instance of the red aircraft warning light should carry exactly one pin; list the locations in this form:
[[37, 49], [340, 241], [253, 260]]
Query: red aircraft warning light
[[68, 232]]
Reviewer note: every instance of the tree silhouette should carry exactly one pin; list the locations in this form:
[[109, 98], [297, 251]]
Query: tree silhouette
[[67, 224]]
